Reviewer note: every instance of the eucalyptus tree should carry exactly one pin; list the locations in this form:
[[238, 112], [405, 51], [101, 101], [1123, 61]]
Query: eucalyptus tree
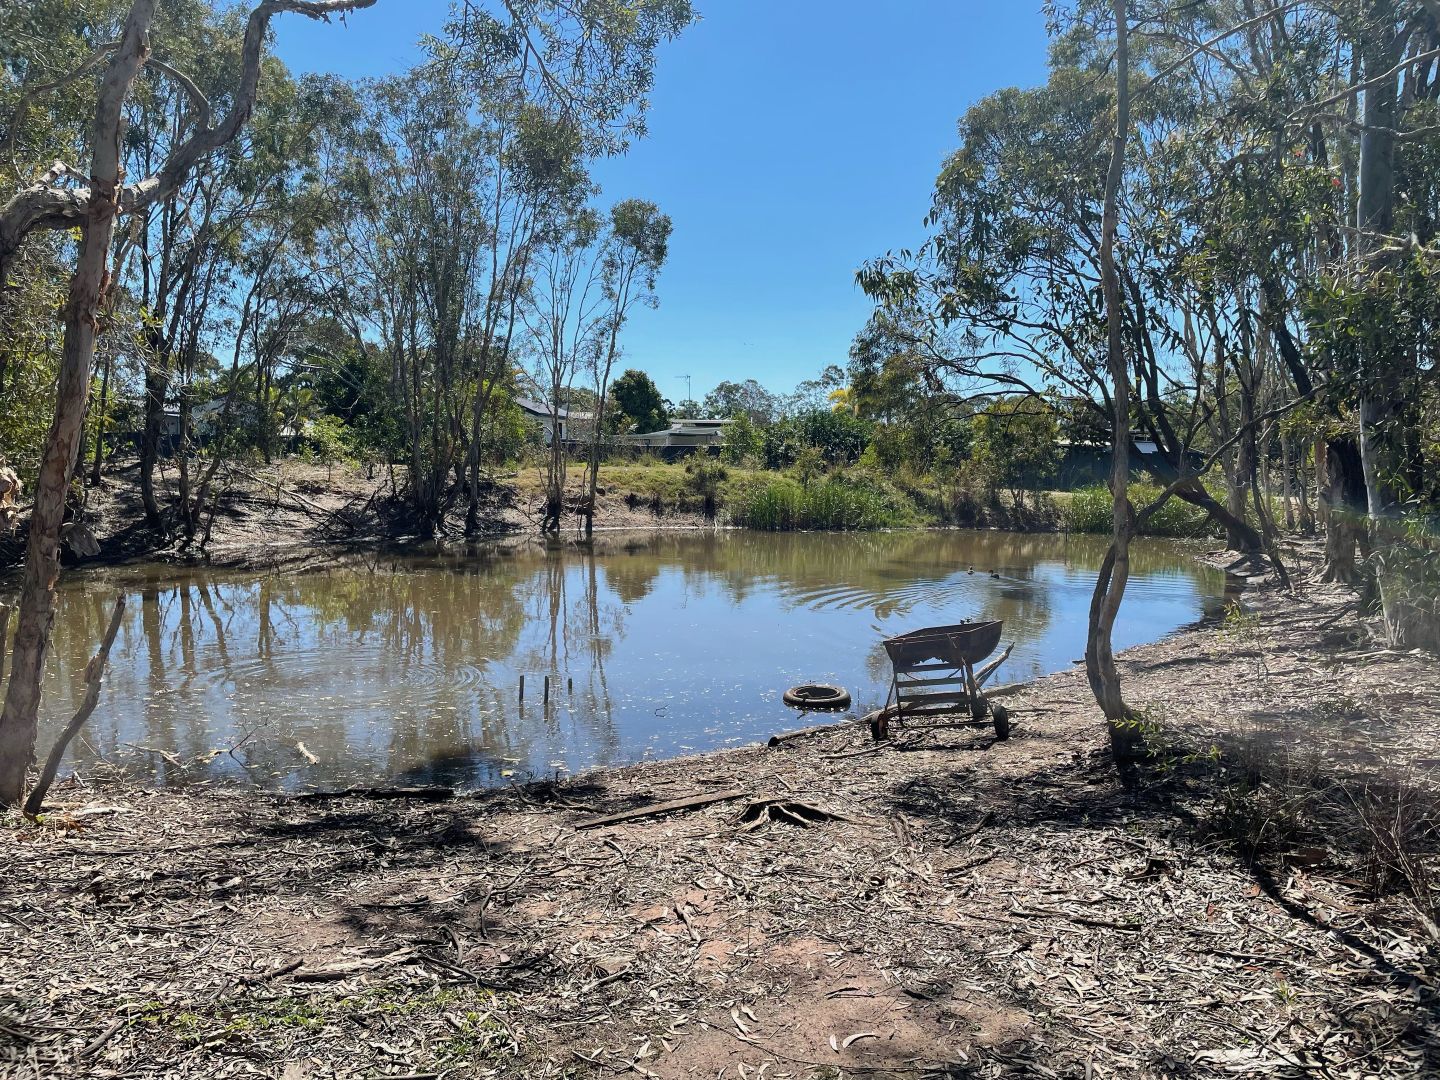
[[1016, 264], [1077, 248], [631, 256], [92, 199], [43, 116], [537, 173], [564, 314], [1389, 286], [440, 204]]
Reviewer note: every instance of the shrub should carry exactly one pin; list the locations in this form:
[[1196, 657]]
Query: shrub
[[1017, 444], [705, 476], [1091, 510], [743, 441], [856, 500]]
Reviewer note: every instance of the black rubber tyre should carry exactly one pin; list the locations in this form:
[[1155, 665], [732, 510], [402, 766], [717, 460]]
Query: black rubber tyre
[[817, 696], [1001, 718]]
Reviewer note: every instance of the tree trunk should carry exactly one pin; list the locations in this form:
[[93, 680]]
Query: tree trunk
[[1341, 486], [157, 385], [100, 419], [82, 313], [1287, 480], [1126, 739], [1379, 382]]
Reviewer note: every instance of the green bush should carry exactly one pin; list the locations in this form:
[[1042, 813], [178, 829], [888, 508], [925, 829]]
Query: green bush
[[845, 501], [1091, 510]]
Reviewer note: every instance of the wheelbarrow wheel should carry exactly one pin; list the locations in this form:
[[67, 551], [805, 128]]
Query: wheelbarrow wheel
[[1000, 717]]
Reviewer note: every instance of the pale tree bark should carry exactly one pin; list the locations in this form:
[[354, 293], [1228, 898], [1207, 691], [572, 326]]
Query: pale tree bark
[[82, 313], [46, 204], [94, 209], [1126, 739], [1375, 215], [605, 366]]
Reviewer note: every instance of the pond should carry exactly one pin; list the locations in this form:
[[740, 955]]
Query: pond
[[406, 668]]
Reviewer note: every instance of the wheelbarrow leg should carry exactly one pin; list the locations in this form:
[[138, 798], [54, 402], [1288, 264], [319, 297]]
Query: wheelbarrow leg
[[972, 688], [880, 726]]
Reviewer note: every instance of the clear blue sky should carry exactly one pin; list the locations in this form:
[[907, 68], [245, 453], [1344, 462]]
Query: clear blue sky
[[789, 140]]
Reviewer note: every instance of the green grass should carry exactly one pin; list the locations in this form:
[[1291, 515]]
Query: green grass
[[860, 498], [849, 501], [1090, 510]]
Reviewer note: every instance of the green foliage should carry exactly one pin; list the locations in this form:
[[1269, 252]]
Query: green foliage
[[809, 465], [328, 440], [1091, 510], [638, 404], [706, 475], [855, 500], [31, 343], [1017, 445], [839, 437], [732, 400], [743, 442]]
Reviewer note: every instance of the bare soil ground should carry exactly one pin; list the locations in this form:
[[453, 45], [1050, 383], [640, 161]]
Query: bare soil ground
[[1252, 901], [298, 511]]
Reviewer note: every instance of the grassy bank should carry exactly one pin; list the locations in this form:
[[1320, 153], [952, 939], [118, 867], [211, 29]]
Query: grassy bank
[[851, 499], [1091, 510]]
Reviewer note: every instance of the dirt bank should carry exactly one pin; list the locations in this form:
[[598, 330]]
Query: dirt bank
[[298, 511], [942, 905]]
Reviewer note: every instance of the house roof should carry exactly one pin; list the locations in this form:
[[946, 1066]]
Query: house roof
[[536, 408], [685, 427]]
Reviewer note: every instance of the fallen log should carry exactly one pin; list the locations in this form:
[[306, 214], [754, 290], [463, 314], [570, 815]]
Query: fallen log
[[694, 802], [819, 729], [990, 668]]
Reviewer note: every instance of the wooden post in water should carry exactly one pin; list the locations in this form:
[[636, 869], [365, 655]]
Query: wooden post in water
[[522, 688], [547, 690]]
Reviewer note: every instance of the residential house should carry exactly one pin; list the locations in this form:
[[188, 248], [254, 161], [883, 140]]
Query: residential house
[[682, 436], [573, 423]]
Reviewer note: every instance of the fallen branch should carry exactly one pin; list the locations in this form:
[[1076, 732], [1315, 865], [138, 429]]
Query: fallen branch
[[93, 674], [990, 668], [692, 803], [819, 729], [791, 811]]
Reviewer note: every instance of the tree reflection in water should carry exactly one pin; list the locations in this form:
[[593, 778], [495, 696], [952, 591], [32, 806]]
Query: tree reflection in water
[[406, 667]]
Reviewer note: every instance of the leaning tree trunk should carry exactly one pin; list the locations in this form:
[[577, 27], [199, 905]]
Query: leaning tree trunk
[[82, 315], [1126, 740]]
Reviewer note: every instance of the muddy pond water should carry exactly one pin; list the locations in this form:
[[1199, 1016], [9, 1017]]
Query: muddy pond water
[[405, 668]]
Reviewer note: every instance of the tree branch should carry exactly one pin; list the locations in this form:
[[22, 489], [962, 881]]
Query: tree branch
[[44, 206]]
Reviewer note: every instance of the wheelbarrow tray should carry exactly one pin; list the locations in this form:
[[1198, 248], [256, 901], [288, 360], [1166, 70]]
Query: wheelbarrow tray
[[955, 645]]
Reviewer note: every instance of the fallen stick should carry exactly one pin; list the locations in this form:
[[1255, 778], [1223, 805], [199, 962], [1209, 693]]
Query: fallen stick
[[692, 803], [1008, 689], [818, 729]]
